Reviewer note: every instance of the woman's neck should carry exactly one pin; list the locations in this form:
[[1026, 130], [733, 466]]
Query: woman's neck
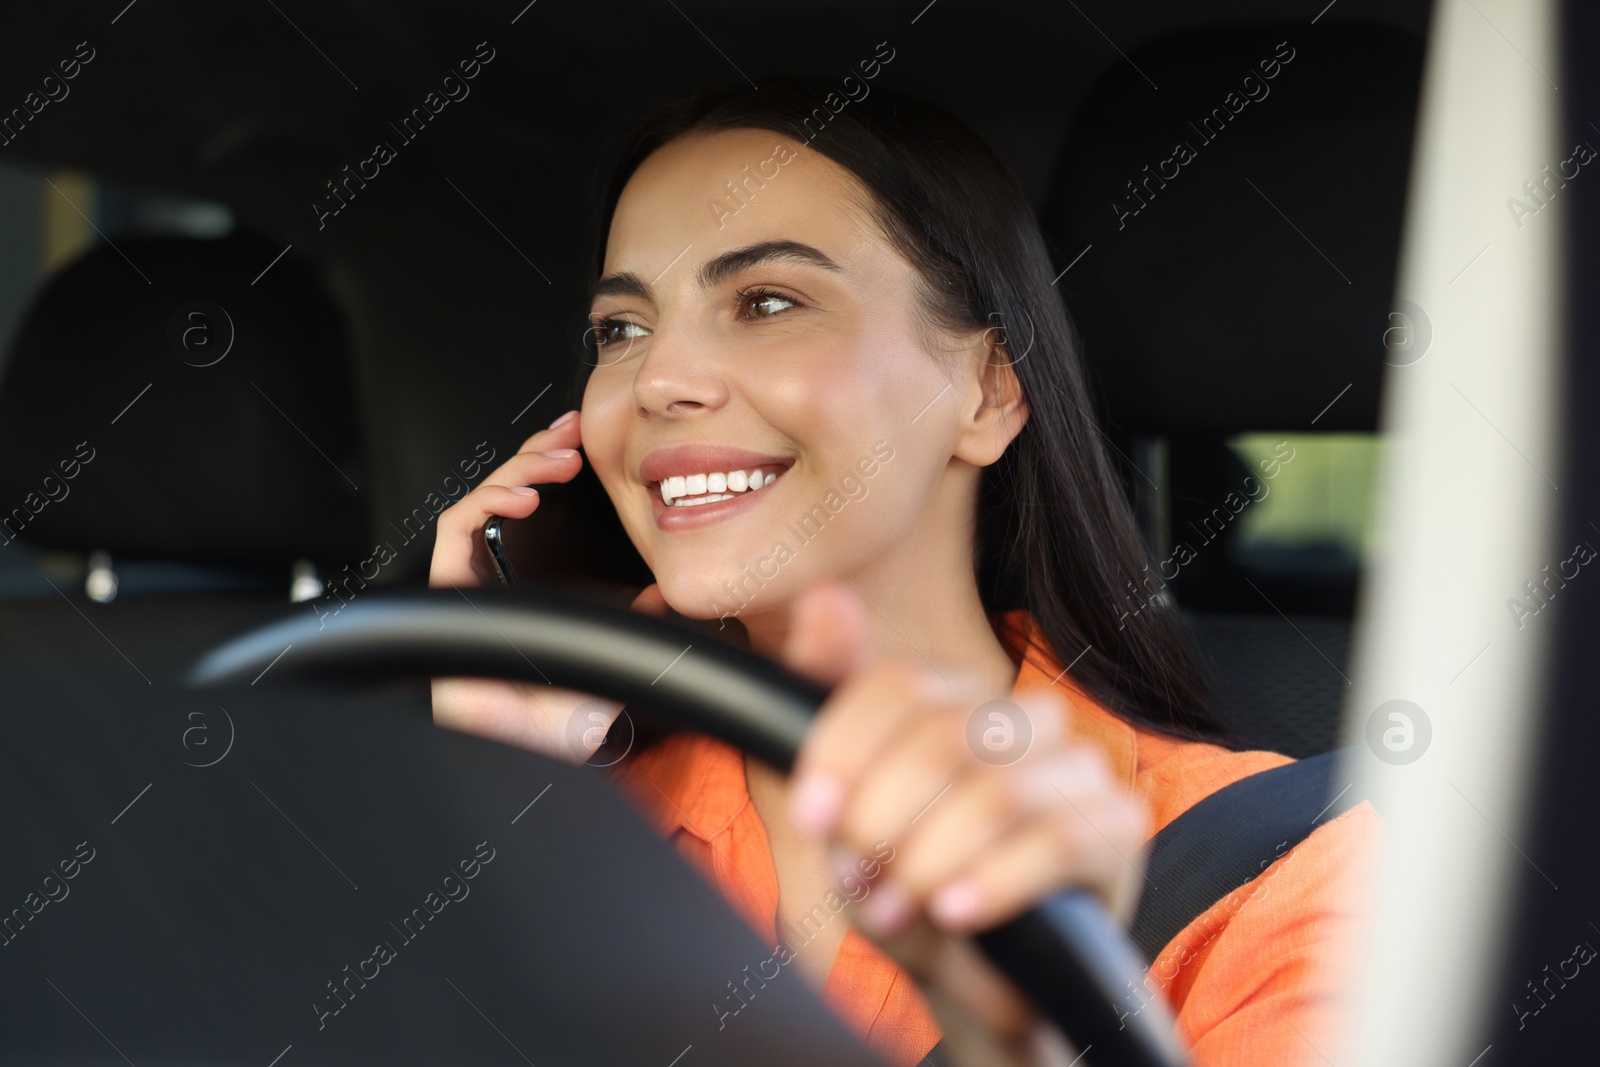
[[920, 621]]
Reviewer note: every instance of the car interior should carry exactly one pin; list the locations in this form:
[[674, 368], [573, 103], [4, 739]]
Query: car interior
[[360, 420], [370, 347]]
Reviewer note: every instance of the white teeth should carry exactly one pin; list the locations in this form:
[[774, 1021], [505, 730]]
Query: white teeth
[[690, 489]]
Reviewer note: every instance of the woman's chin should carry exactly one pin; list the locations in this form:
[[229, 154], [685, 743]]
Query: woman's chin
[[703, 596]]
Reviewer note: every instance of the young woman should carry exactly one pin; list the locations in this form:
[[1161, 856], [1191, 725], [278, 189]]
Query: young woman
[[834, 399]]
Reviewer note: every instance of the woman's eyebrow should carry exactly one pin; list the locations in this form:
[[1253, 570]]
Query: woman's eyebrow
[[623, 283], [719, 269]]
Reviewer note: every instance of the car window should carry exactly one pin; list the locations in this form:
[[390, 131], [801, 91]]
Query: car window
[[1319, 520]]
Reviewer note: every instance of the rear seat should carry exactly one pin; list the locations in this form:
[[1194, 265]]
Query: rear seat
[[189, 425], [1269, 246]]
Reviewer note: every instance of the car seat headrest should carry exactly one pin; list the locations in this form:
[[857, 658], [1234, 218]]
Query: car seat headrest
[[1239, 227], [183, 398]]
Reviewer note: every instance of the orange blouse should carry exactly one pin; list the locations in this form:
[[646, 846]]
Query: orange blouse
[[1253, 981]]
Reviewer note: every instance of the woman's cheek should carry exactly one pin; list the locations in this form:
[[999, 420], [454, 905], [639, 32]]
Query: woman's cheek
[[602, 444], [603, 418]]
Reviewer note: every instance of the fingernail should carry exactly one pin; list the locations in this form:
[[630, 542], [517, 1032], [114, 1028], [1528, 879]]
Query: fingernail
[[525, 490], [561, 453], [563, 420], [886, 909], [815, 804], [1047, 713], [1038, 783], [844, 863], [958, 904]]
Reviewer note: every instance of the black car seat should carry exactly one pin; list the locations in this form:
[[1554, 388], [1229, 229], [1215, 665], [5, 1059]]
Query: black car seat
[[1229, 244], [181, 442]]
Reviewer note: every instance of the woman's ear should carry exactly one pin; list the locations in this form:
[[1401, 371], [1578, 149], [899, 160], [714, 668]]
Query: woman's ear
[[996, 409]]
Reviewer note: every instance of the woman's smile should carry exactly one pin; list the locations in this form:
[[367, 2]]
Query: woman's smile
[[695, 485]]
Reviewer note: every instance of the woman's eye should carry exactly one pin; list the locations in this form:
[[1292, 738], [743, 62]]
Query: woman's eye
[[762, 304], [611, 331]]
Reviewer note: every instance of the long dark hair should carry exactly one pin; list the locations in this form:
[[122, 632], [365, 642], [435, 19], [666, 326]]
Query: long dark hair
[[1055, 534]]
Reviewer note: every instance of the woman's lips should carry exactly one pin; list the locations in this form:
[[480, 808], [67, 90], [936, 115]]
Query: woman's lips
[[677, 477], [670, 517], [704, 458]]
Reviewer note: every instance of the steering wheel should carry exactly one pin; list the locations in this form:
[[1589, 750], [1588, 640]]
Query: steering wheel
[[1066, 954]]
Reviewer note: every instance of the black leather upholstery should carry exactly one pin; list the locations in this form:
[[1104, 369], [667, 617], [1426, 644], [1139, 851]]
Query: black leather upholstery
[[254, 460]]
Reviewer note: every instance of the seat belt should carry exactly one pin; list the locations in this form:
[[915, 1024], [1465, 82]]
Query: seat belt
[[1226, 841], [1223, 842]]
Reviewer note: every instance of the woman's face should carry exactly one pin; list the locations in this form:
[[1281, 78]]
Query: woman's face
[[755, 326]]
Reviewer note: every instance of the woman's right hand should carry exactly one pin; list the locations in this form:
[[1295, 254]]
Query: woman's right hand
[[564, 723]]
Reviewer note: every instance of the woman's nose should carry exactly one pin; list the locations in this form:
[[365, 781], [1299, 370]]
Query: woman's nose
[[678, 376]]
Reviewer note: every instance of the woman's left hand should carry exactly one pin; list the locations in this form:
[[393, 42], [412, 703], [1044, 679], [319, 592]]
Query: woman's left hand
[[978, 835]]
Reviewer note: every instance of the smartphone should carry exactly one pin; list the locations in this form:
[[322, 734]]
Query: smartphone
[[494, 536]]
